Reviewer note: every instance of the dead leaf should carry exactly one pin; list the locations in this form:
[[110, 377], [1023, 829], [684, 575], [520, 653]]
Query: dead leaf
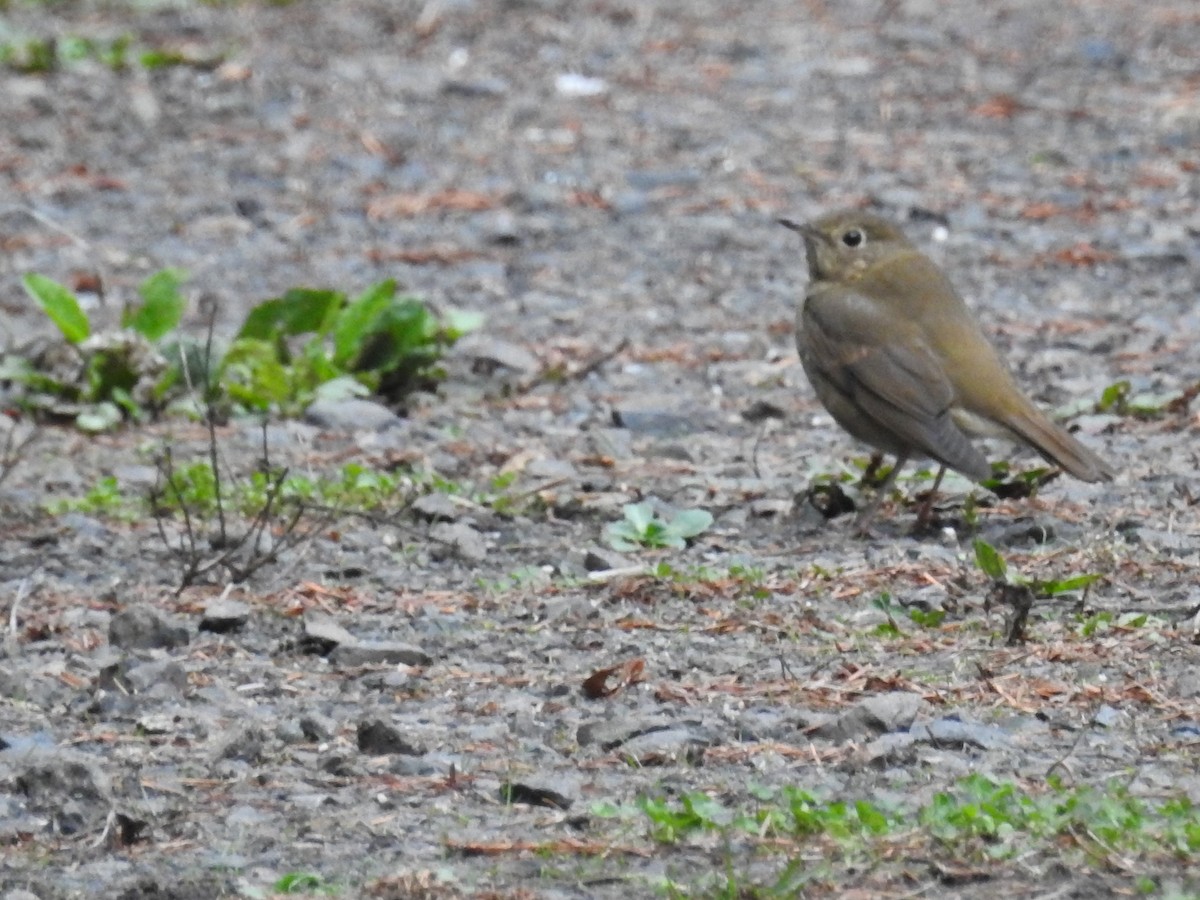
[[1080, 254], [442, 254], [999, 106], [408, 205], [628, 673]]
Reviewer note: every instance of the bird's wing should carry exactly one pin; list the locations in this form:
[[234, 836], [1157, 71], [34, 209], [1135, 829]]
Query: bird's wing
[[882, 370]]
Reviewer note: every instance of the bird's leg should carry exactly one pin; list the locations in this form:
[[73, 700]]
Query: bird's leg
[[862, 522], [871, 472], [925, 511]]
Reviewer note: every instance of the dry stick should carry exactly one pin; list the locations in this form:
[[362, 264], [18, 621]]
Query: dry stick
[[1061, 762], [210, 416], [23, 591]]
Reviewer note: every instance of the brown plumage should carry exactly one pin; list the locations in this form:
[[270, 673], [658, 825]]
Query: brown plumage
[[899, 361]]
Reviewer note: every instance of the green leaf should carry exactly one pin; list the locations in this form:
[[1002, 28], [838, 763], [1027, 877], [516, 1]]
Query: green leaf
[[457, 322], [253, 375], [621, 537], [162, 305], [1053, 588], [990, 562], [100, 417], [357, 321], [639, 516], [342, 387], [690, 522], [1113, 397], [299, 311], [60, 305], [871, 818]]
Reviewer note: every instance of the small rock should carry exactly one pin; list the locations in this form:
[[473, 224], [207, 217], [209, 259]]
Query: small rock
[[478, 87], [555, 792], [668, 747], [887, 750], [322, 634], [500, 228], [760, 410], [551, 469], [157, 723], [49, 778], [316, 727], [459, 539], [141, 628], [223, 616], [612, 733], [351, 414], [572, 84], [955, 733], [437, 507], [771, 507], [378, 738], [159, 674], [245, 744], [880, 714], [368, 653], [655, 422], [597, 559], [491, 353]]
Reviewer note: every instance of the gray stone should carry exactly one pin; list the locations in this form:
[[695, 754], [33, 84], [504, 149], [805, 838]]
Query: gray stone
[[159, 673], [490, 353], [558, 790], [952, 732], [379, 738], [222, 616], [872, 716], [351, 414], [458, 539], [667, 747], [611, 733], [245, 744], [322, 634], [370, 653], [655, 422], [437, 507], [597, 559], [551, 469], [142, 628]]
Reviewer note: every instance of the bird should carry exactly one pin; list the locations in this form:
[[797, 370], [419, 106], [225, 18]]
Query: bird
[[898, 360]]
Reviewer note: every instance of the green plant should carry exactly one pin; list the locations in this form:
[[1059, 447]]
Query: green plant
[[37, 55], [1019, 591], [979, 820], [304, 883], [305, 345], [1119, 399], [104, 498], [992, 564], [291, 346], [641, 527], [100, 378]]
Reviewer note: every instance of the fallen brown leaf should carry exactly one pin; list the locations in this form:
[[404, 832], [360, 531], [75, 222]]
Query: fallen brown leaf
[[606, 682], [407, 205]]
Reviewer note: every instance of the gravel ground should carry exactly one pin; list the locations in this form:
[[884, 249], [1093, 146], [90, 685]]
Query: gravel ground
[[397, 707]]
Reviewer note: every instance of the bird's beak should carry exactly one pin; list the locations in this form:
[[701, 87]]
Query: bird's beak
[[806, 230]]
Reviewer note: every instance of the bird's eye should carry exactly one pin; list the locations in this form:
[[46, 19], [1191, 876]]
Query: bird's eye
[[854, 238]]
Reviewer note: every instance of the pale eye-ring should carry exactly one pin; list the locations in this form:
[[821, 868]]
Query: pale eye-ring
[[853, 237]]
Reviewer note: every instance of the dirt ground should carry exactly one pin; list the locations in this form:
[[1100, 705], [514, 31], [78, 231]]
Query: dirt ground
[[601, 179]]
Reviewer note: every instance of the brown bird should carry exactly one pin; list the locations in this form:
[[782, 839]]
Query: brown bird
[[898, 360]]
